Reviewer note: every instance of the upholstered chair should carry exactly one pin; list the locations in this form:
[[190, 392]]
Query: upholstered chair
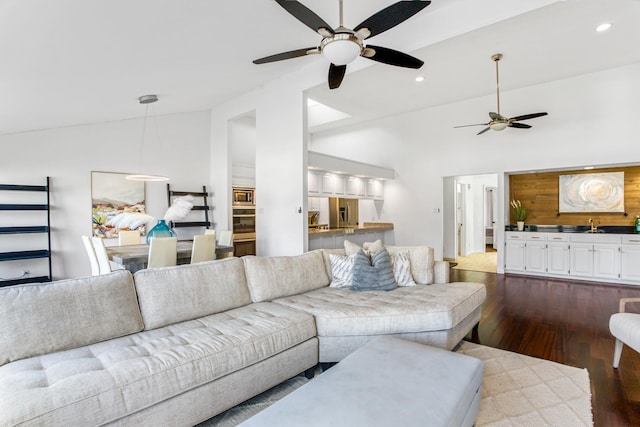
[[625, 327]]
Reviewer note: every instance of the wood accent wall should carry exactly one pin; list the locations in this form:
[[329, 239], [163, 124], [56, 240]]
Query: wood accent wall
[[538, 192]]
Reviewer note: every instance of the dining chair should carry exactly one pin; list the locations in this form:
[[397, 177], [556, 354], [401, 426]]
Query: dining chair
[[225, 238], [128, 237], [163, 252], [102, 256], [625, 327], [204, 248], [91, 253]]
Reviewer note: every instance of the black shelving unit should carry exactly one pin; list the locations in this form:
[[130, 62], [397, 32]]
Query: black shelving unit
[[18, 230], [204, 207]]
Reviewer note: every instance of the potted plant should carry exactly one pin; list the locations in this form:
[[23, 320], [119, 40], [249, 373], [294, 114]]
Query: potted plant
[[519, 213]]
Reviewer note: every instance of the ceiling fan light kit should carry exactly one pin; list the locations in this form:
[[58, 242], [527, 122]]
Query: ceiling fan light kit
[[341, 49], [342, 45], [499, 122]]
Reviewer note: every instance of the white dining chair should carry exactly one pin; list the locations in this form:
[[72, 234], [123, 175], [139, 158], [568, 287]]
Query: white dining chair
[[225, 238], [102, 256], [128, 237], [204, 248], [91, 253], [163, 252]]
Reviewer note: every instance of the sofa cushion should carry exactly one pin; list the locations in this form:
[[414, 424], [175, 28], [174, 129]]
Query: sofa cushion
[[341, 312], [276, 277], [373, 275], [341, 270], [402, 269], [103, 382], [42, 318], [421, 259], [175, 294]]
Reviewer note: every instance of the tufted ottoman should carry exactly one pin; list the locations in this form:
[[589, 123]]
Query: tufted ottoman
[[388, 382]]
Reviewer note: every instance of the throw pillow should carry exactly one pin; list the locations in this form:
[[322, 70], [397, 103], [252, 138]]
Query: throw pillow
[[369, 248], [341, 270], [402, 269], [376, 275]]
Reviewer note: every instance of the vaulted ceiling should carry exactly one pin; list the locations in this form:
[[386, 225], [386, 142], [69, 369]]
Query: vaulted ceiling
[[72, 62]]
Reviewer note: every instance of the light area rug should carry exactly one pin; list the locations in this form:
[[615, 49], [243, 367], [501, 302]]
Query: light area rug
[[485, 261], [517, 390]]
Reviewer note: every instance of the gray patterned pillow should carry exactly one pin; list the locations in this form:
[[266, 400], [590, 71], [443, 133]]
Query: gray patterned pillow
[[402, 269], [374, 276], [341, 270]]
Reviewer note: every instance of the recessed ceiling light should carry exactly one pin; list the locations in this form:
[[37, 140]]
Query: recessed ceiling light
[[603, 27], [420, 79]]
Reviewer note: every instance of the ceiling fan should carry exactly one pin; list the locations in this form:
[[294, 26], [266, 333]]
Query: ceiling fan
[[341, 45], [498, 121]]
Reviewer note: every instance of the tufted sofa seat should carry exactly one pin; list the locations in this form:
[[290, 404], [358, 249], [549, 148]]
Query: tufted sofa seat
[[439, 315]]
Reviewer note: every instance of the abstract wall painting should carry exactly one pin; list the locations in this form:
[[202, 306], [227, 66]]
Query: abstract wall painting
[[112, 195], [595, 192]]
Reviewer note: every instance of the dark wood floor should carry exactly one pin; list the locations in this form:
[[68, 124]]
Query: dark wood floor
[[566, 322]]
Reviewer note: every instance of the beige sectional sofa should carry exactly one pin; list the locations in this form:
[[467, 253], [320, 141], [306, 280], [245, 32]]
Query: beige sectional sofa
[[178, 345]]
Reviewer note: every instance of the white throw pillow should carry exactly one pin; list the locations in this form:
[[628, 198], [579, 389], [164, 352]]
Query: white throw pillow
[[369, 248], [402, 269], [341, 270]]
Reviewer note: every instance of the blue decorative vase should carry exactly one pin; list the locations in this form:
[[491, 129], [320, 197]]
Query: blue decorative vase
[[161, 229]]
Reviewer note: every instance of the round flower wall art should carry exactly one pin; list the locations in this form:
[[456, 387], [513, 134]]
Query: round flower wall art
[[596, 192]]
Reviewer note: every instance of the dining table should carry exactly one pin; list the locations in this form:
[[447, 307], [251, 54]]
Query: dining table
[[134, 257]]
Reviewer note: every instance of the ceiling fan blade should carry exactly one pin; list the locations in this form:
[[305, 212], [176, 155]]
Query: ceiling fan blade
[[391, 16], [393, 57], [336, 74], [519, 125], [483, 131], [477, 124], [305, 15], [528, 116], [287, 55]]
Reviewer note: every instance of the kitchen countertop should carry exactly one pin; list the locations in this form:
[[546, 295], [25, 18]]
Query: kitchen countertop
[[364, 228], [606, 229]]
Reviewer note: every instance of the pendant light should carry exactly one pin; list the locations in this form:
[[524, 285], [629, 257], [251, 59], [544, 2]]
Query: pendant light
[[147, 100]]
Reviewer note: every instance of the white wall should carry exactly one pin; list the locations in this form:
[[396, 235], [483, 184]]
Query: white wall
[[68, 155], [592, 121], [242, 141]]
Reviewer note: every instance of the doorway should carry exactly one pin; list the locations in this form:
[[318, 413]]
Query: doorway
[[470, 208]]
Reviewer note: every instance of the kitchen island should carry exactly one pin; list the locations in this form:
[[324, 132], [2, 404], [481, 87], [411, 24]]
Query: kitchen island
[[333, 238]]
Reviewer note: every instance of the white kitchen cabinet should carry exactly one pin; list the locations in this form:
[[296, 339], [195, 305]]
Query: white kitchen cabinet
[[595, 256], [557, 254], [339, 185], [581, 259], [514, 252], [355, 186], [313, 183], [535, 250], [606, 261], [379, 190], [328, 182], [630, 258]]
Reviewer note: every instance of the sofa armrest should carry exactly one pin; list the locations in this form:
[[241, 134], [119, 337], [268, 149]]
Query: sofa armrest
[[441, 272]]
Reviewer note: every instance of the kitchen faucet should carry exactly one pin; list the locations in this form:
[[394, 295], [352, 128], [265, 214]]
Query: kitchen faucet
[[594, 228]]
